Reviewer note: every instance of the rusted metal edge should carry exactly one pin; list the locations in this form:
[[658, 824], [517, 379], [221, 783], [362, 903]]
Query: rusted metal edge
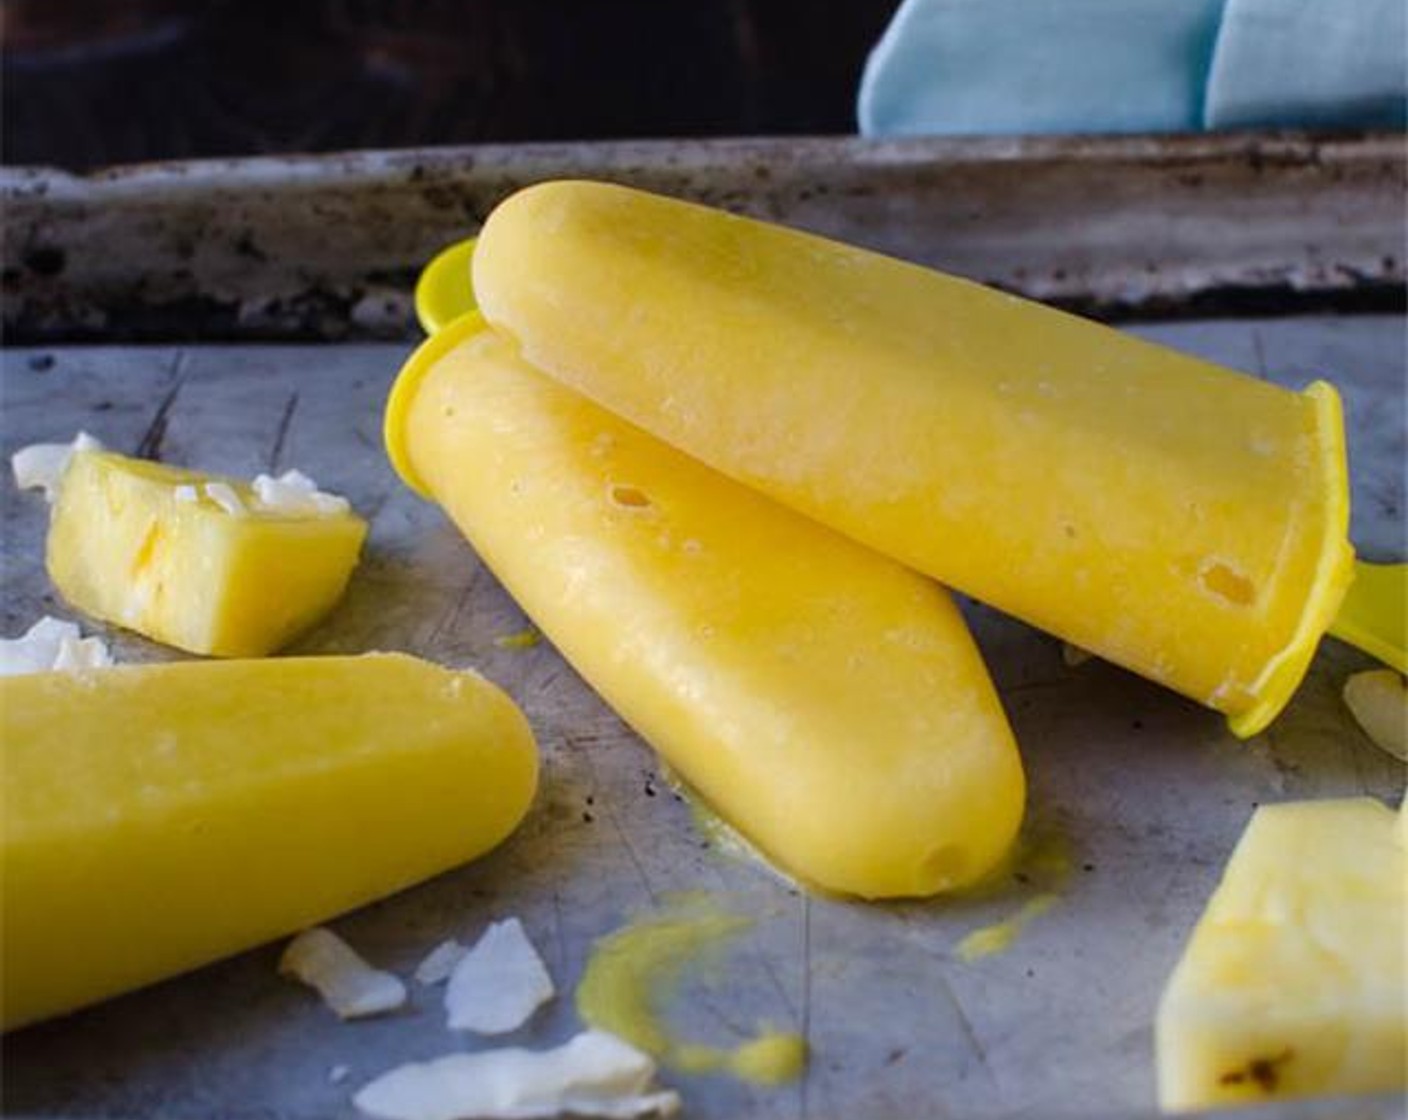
[[327, 247]]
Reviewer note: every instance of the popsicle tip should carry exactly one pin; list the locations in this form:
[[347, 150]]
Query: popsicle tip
[[548, 204], [946, 865]]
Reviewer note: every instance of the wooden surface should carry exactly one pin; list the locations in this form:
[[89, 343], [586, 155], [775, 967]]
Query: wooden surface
[[1148, 791], [328, 248]]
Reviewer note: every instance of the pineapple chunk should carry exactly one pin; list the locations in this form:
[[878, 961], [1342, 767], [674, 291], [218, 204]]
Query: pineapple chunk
[[1293, 981], [198, 562]]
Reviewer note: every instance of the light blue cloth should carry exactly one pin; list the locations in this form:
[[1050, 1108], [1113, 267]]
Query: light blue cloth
[[1314, 63], [1087, 66]]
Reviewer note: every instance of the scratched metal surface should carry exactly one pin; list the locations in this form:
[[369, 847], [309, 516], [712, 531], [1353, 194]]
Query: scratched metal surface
[[1149, 791], [326, 247]]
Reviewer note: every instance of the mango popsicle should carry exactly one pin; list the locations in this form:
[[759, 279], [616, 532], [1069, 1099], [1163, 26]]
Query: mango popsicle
[[827, 701], [1177, 518], [158, 817]]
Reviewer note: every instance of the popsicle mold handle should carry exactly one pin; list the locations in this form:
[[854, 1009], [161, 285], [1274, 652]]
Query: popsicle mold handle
[[444, 293], [1374, 614], [407, 386], [444, 290]]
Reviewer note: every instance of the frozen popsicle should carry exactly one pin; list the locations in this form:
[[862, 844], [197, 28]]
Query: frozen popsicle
[[1293, 983], [828, 702], [207, 564], [158, 817], [1180, 519]]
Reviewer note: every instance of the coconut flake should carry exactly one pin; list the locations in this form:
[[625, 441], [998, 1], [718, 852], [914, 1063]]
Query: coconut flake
[[52, 644], [185, 494], [224, 496], [499, 983], [1378, 700], [41, 466], [1074, 655], [440, 962], [594, 1074], [294, 493], [347, 983], [84, 653]]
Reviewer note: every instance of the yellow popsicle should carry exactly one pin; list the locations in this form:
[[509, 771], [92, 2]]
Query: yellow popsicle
[[827, 701], [146, 546], [158, 817], [1294, 983], [1174, 517]]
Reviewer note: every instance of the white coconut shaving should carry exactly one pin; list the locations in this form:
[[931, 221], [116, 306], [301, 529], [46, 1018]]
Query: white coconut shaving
[[1378, 699], [595, 1074], [224, 496], [499, 983], [295, 494], [185, 494], [41, 466], [1074, 655], [440, 962], [52, 644], [347, 983]]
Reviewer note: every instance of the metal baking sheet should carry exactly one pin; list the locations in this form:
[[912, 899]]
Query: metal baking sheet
[[1148, 790], [326, 247]]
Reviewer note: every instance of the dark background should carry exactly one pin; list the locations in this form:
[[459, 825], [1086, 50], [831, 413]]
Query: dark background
[[88, 83]]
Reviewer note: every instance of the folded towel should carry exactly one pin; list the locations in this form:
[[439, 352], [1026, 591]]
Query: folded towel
[[1313, 63], [1072, 66]]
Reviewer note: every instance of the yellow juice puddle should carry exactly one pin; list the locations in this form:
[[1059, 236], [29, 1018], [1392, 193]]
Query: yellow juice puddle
[[770, 1059], [632, 973], [985, 941], [1042, 858], [522, 639]]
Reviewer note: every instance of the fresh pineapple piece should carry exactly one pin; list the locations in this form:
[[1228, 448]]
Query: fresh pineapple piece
[[209, 565], [1293, 983]]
